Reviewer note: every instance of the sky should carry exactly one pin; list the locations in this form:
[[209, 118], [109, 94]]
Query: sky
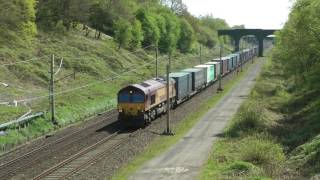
[[260, 14]]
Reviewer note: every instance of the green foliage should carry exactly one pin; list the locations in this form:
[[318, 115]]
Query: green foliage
[[307, 156], [298, 44], [137, 35], [240, 167], [187, 37], [298, 50], [60, 28], [254, 157], [207, 33], [250, 117], [170, 36], [65, 27], [160, 24], [261, 151], [8, 112], [123, 34], [17, 16], [151, 32]]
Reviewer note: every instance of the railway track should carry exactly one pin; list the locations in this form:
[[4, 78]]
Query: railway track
[[85, 157], [68, 166], [12, 167]]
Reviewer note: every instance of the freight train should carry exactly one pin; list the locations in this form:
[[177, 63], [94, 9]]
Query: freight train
[[139, 104]]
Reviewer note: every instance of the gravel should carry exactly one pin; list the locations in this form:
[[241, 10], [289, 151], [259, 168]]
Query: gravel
[[106, 167]]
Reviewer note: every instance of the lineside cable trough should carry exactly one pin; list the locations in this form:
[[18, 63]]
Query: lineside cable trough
[[21, 121]]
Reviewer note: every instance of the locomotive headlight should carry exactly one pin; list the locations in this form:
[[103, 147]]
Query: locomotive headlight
[[120, 110]]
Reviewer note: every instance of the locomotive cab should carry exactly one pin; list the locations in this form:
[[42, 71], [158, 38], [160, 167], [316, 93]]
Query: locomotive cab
[[131, 104]]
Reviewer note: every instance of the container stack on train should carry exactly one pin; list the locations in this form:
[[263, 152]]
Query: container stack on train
[[139, 104]]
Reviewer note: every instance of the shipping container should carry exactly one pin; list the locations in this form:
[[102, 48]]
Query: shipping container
[[205, 74], [229, 63], [183, 85], [235, 58], [217, 68], [210, 72], [224, 65], [198, 78]]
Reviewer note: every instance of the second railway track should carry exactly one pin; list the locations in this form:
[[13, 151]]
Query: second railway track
[[17, 164], [85, 157]]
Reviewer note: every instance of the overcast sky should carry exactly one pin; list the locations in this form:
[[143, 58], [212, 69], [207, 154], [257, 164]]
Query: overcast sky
[[266, 14]]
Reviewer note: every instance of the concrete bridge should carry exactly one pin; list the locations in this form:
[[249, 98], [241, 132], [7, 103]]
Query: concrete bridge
[[236, 35]]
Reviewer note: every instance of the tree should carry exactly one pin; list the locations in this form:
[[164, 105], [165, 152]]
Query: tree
[[177, 6], [298, 44], [137, 35], [18, 16], [122, 33], [186, 36], [239, 27], [150, 29]]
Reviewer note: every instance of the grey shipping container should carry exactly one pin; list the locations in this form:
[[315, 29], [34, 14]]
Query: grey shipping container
[[198, 78], [183, 85], [205, 73]]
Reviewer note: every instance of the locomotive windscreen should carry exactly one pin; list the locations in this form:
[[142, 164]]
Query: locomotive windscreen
[[131, 97]]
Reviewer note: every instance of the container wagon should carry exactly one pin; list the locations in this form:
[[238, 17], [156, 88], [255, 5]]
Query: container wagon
[[217, 68], [183, 85], [224, 64], [210, 72], [198, 79]]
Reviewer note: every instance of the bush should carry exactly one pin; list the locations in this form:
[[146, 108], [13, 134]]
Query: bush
[[60, 28], [262, 152], [250, 117], [240, 168]]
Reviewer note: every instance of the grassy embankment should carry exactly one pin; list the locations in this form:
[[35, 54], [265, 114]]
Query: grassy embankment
[[274, 135], [162, 143], [93, 60]]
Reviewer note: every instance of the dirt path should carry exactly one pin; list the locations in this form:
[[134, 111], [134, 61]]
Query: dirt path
[[185, 159]]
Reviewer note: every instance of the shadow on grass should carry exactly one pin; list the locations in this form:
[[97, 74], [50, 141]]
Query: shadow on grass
[[302, 122]]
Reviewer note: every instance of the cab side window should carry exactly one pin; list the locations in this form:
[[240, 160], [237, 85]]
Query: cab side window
[[153, 99]]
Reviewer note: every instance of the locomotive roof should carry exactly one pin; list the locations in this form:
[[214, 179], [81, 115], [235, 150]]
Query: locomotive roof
[[150, 85]]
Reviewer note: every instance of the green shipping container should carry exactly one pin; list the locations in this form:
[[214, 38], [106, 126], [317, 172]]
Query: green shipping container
[[217, 68], [210, 72]]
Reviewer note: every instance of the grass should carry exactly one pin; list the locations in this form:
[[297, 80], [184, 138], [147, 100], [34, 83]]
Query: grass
[[93, 61], [274, 135], [250, 118], [161, 144]]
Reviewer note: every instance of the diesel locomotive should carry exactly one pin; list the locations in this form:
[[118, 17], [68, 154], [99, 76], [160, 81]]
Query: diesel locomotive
[[139, 104]]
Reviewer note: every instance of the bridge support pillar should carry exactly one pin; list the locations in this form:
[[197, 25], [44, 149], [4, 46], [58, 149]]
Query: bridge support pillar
[[236, 44]]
